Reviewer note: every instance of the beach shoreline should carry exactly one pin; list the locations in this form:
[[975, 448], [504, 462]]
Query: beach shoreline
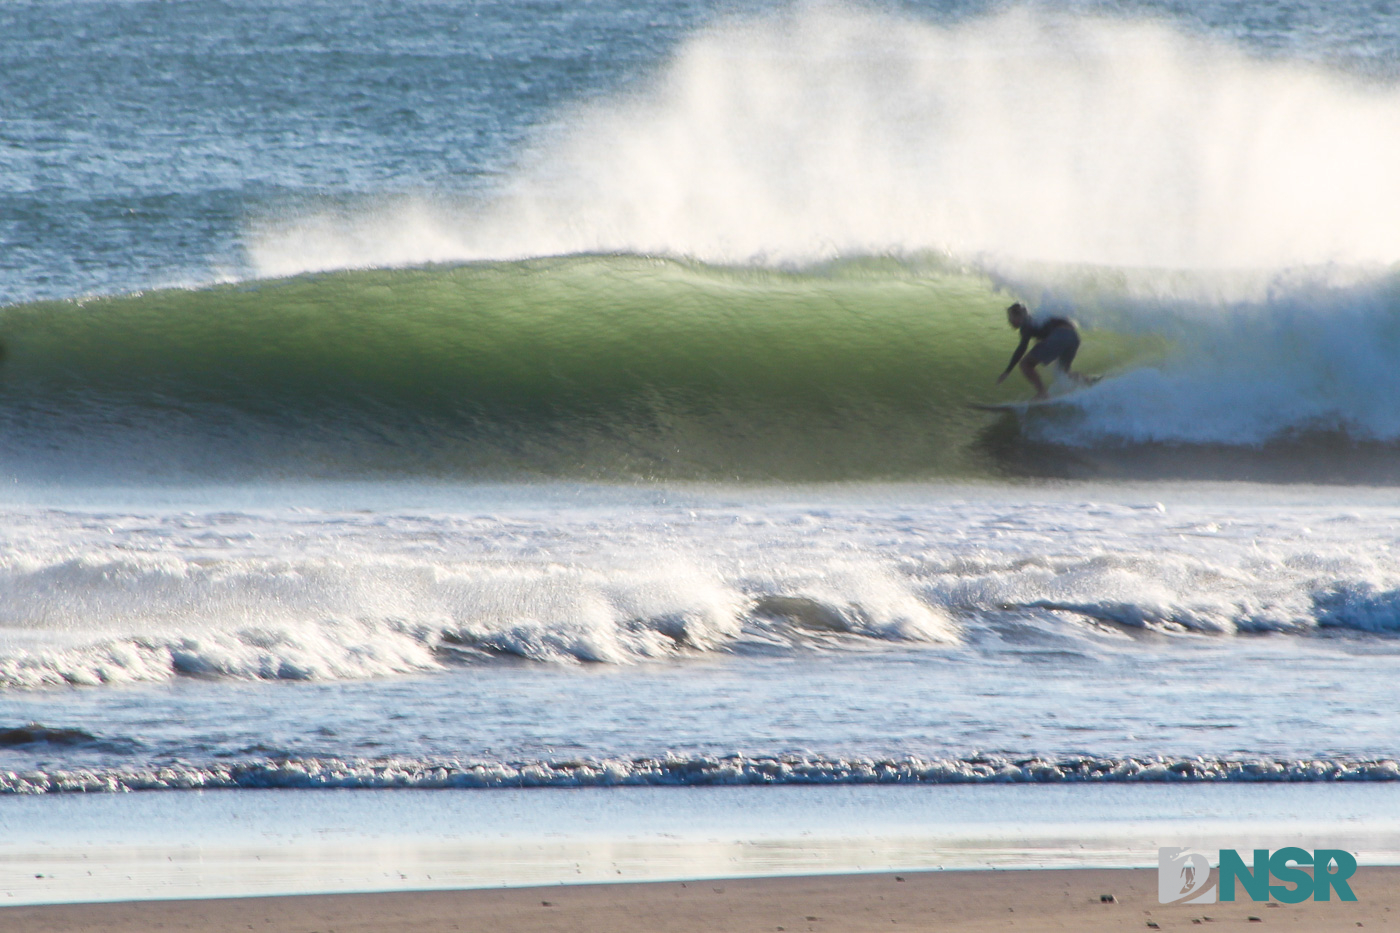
[[1035, 899]]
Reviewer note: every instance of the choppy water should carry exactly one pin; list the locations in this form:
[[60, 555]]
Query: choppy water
[[421, 394]]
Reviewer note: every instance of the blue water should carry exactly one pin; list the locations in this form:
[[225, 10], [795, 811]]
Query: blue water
[[141, 139]]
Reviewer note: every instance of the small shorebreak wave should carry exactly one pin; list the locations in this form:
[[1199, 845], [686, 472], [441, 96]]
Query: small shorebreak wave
[[36, 734], [495, 615], [91, 598], [699, 771], [598, 624]]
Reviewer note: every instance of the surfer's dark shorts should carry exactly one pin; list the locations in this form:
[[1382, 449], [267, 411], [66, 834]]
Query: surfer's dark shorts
[[1060, 347]]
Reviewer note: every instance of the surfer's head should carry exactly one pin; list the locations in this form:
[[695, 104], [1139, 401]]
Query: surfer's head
[[1017, 314]]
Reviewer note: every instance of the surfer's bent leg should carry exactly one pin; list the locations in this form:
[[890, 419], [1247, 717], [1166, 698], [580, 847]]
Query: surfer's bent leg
[[1071, 348], [1060, 346], [1033, 377]]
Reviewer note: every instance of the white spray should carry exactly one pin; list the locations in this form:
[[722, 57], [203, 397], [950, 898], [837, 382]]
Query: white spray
[[829, 131]]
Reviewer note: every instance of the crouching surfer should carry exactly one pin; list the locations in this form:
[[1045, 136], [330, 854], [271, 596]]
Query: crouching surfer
[[1057, 340]]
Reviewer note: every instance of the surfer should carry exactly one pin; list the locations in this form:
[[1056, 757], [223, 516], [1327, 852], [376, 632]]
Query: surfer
[[1057, 340]]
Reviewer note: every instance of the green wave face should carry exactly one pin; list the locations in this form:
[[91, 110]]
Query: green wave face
[[585, 367]]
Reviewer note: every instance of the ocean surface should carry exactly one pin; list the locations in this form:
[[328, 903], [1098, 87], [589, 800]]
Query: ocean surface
[[508, 395]]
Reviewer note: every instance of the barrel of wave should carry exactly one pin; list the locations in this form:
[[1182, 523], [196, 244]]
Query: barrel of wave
[[592, 365]]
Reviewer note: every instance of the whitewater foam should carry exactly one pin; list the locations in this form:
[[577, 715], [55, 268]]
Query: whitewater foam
[[1250, 359], [718, 771], [249, 597], [119, 598]]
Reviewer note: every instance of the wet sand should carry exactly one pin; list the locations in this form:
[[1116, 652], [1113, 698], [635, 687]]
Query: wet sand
[[953, 900]]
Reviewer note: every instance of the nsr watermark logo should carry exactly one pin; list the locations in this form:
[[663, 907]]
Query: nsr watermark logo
[[1184, 875]]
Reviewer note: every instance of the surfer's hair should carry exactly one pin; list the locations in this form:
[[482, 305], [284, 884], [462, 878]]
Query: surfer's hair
[[1018, 308]]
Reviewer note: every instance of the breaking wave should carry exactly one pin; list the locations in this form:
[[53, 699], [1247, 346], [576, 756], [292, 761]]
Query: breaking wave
[[249, 597], [348, 650], [626, 367], [370, 606]]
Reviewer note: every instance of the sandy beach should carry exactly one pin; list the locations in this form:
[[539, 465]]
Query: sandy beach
[[954, 900]]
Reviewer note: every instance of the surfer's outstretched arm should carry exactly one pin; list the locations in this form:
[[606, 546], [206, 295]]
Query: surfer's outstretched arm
[[1015, 357]]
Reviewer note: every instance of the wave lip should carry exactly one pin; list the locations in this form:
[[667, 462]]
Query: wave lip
[[725, 771], [1358, 605], [37, 734]]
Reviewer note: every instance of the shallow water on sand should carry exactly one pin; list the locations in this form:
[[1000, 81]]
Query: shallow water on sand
[[134, 846]]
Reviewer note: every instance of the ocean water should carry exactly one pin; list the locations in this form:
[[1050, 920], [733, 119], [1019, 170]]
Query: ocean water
[[446, 395]]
